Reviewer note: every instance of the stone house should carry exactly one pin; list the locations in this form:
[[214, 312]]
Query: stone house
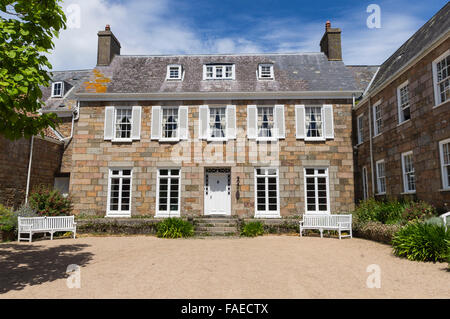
[[46, 159], [250, 135], [402, 122]]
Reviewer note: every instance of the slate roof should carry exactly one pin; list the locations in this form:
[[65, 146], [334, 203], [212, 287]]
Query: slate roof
[[72, 80], [438, 25], [363, 74], [293, 72]]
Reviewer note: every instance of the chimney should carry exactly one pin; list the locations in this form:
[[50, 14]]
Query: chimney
[[331, 43], [108, 46]]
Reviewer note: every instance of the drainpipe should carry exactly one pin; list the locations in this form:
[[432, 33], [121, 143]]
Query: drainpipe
[[371, 147], [29, 170], [66, 140]]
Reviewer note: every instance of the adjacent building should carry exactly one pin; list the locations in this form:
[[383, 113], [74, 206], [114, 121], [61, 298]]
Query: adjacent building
[[402, 123]]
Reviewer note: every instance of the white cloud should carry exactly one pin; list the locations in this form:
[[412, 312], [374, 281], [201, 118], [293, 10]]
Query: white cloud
[[149, 27]]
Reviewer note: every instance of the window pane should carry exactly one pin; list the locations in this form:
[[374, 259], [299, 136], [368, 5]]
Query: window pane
[[170, 122], [265, 121], [313, 121], [217, 122]]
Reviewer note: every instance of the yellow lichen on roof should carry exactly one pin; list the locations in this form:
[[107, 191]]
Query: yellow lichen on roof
[[98, 85]]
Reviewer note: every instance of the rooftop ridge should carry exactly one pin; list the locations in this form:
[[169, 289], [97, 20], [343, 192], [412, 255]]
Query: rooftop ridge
[[219, 54]]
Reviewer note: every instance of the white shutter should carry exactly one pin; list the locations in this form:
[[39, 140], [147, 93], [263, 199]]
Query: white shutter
[[184, 125], [203, 122], [300, 121], [279, 121], [156, 123], [109, 122], [136, 123], [252, 120], [328, 121], [231, 121]]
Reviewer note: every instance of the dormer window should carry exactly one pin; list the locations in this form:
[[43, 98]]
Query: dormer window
[[174, 72], [265, 72], [57, 89], [218, 72]]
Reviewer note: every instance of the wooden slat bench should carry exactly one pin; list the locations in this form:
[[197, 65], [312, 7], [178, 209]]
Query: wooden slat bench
[[48, 224], [327, 222]]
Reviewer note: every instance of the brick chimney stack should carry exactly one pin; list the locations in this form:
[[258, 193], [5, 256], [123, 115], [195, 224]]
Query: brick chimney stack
[[331, 43], [108, 46]]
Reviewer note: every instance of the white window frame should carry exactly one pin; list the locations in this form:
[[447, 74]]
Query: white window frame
[[210, 138], [61, 91], [360, 129], [120, 212], [215, 67], [377, 121], [180, 72], [322, 116], [168, 212], [380, 178], [161, 116], [401, 118], [445, 181], [315, 176], [270, 77], [404, 173], [365, 183], [274, 137], [122, 139], [437, 95], [267, 213]]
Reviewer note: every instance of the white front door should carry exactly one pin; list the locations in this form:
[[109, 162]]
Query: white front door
[[217, 193]]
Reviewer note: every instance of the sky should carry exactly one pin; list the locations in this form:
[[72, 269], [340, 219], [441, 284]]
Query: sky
[[159, 27]]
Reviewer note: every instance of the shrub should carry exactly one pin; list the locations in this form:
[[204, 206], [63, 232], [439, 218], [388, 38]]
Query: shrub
[[252, 229], [418, 211], [435, 221], [389, 212], [375, 231], [174, 228], [8, 220], [50, 202], [422, 242]]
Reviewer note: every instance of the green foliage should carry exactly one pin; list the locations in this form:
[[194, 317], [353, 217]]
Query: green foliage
[[174, 228], [435, 221], [389, 212], [252, 229], [418, 211], [8, 220], [50, 202], [26, 31], [422, 242]]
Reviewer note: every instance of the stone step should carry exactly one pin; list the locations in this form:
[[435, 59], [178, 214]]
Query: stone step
[[216, 229], [215, 234], [216, 220], [215, 225]]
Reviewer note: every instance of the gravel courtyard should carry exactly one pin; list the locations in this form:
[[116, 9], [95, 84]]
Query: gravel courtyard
[[263, 267]]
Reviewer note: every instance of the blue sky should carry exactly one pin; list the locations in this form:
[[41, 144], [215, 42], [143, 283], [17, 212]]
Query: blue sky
[[232, 26]]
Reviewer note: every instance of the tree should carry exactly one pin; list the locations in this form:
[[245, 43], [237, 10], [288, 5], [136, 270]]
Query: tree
[[26, 31]]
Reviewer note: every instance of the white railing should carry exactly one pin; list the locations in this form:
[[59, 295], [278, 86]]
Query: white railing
[[327, 222], [48, 224]]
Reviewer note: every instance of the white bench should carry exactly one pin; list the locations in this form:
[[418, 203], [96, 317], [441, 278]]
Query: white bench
[[444, 217], [48, 224], [327, 222]]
